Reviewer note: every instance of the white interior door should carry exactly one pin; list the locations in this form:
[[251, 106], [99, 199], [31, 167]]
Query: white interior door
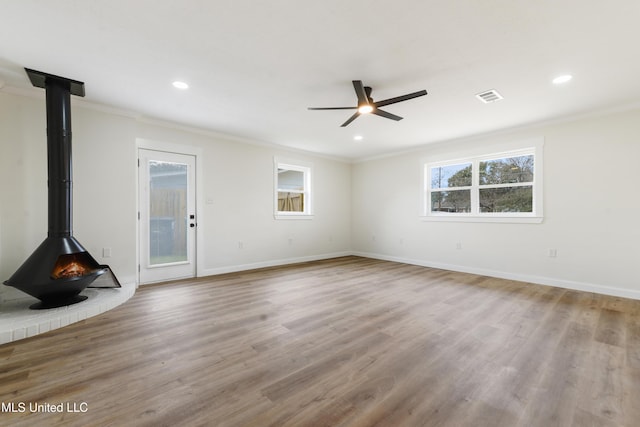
[[167, 216]]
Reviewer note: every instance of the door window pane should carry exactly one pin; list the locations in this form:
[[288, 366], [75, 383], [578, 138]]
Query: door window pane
[[167, 212]]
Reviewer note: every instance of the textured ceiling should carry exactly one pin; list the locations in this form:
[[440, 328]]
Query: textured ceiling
[[254, 67]]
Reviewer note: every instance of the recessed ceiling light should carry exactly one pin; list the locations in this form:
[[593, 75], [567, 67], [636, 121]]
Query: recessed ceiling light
[[562, 79], [358, 137], [180, 85]]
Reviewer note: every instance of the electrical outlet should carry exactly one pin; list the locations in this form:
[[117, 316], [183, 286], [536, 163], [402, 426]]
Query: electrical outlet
[[106, 252], [458, 245], [240, 245], [553, 253]]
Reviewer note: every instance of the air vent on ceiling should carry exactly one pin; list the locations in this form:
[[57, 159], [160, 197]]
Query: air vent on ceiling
[[489, 96]]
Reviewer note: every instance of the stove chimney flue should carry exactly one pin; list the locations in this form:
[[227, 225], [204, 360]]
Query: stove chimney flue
[[59, 165], [58, 91]]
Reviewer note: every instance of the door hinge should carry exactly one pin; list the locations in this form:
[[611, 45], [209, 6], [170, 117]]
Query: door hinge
[[138, 215]]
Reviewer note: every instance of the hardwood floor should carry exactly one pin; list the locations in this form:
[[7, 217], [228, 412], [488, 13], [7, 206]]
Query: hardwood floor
[[342, 342]]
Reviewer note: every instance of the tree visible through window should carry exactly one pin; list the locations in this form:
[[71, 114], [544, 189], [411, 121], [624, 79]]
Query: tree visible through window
[[506, 184], [451, 188], [500, 185]]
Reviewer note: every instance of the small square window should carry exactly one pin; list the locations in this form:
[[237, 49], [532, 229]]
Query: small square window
[[292, 190]]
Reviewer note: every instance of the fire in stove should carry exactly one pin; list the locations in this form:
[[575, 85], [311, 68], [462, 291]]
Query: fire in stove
[[69, 266]]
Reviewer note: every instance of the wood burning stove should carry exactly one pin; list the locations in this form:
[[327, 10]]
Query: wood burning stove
[[60, 268]]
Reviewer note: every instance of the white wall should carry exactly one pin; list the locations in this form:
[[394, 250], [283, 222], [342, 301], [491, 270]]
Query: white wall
[[237, 206], [591, 202], [237, 177], [591, 211]]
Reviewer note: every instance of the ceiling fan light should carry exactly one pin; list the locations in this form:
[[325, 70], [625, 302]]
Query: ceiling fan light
[[365, 109]]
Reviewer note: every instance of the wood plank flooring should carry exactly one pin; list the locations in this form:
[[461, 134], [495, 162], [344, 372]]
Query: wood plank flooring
[[342, 342]]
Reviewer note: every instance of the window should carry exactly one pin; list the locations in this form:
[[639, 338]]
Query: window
[[506, 184], [451, 188], [495, 187], [292, 190]]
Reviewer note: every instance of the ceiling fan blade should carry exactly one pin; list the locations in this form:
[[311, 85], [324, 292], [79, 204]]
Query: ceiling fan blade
[[332, 108], [352, 118], [360, 92], [379, 112], [400, 98]]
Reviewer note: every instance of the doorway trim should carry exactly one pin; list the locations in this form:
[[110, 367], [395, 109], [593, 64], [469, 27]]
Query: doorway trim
[[171, 147]]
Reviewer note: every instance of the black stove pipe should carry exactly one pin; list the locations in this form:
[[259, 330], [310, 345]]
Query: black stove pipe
[[58, 100], [58, 91]]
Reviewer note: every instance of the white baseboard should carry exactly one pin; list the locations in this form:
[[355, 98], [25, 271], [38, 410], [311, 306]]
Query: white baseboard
[[270, 263], [539, 280]]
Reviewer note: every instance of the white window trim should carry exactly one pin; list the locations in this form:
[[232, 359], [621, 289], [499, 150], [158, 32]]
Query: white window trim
[[533, 147], [295, 165]]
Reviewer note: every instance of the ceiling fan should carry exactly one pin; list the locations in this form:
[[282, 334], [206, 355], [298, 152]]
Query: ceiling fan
[[366, 104]]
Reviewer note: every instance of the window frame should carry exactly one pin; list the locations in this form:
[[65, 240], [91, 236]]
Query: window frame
[[475, 215], [307, 192]]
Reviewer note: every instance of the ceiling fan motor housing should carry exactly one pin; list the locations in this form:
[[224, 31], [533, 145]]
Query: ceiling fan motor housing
[[367, 105]]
